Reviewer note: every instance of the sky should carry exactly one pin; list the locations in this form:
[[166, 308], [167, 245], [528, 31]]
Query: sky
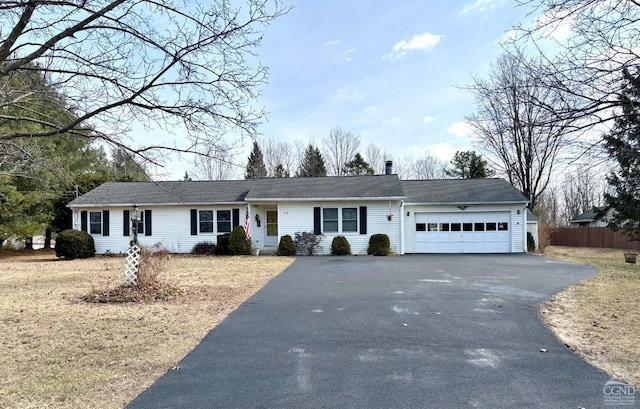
[[393, 72]]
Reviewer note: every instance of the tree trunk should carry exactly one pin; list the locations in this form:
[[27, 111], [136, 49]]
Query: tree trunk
[[28, 243], [47, 239]]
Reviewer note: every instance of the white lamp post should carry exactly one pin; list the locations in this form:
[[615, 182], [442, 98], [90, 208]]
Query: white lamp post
[[135, 219]]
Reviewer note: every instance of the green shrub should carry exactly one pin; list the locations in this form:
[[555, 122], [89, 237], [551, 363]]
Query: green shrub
[[204, 248], [222, 245], [238, 243], [286, 246], [379, 245], [340, 246], [531, 244], [72, 244]]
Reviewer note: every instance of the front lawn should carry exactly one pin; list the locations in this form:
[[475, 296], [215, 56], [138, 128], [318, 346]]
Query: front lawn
[[599, 318], [62, 352]]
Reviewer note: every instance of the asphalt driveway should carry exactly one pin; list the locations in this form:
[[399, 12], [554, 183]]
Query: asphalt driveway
[[432, 331]]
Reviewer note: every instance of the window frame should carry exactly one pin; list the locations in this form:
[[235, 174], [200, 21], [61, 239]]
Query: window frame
[[91, 223], [340, 220], [200, 221], [218, 221]]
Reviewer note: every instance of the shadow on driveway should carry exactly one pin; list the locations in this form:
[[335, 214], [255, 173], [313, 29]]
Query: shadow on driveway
[[445, 331]]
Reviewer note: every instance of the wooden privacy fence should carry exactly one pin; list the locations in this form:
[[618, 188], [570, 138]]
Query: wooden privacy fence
[[601, 237]]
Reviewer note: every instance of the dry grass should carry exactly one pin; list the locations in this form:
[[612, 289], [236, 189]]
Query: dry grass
[[599, 318], [65, 353]]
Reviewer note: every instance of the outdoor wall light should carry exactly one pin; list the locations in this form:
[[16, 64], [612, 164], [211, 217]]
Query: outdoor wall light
[[257, 220]]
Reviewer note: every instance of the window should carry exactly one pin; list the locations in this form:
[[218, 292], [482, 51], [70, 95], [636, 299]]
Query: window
[[224, 221], [141, 224], [503, 226], [467, 226], [95, 222], [349, 219], [479, 227], [433, 226], [330, 219], [491, 227], [455, 226], [444, 226], [421, 227], [206, 221]]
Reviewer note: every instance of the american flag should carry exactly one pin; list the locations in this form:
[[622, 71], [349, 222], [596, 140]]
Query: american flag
[[247, 225]]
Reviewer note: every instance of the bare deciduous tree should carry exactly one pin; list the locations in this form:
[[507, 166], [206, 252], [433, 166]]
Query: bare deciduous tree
[[181, 67], [581, 191], [216, 163], [517, 124], [602, 39], [375, 157], [428, 167], [278, 153], [339, 147]]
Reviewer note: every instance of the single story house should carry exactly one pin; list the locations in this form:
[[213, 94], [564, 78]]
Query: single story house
[[419, 216], [590, 218]]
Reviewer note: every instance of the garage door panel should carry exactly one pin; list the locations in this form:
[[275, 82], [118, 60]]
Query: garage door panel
[[480, 232]]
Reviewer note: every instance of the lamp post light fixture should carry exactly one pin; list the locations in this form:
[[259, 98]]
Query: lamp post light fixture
[[135, 219]]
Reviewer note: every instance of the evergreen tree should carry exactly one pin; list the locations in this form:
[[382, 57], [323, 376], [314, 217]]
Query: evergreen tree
[[281, 172], [623, 145], [256, 168], [468, 165], [357, 166], [312, 164]]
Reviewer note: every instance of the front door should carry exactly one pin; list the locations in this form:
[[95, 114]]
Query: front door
[[272, 228]]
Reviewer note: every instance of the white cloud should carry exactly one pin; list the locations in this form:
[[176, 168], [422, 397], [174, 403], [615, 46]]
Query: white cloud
[[460, 129], [442, 151], [348, 53], [345, 93], [371, 110], [391, 121], [332, 42], [419, 42], [481, 6], [509, 36], [556, 26], [428, 119]]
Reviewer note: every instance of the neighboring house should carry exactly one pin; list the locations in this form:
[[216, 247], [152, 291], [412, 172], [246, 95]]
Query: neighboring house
[[425, 216], [591, 219]]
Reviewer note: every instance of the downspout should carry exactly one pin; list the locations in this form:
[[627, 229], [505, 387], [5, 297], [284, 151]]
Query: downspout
[[401, 218]]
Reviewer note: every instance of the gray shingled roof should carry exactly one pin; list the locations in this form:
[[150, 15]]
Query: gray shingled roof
[[332, 187], [231, 191], [447, 191], [588, 216], [144, 193], [462, 191], [530, 216]]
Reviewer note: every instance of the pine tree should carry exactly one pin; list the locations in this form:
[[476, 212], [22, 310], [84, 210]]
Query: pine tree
[[312, 164], [623, 145], [256, 168], [468, 165], [281, 172], [357, 166]]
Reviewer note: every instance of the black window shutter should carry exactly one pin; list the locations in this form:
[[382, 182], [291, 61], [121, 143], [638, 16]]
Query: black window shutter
[[194, 222], [316, 221], [236, 217], [83, 220], [147, 222], [105, 222], [125, 223], [363, 219]]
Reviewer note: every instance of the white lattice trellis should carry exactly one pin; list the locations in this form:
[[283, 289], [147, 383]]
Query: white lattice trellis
[[131, 266]]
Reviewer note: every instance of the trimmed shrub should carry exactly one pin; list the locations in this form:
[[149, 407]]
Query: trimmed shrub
[[379, 245], [204, 248], [222, 245], [307, 242], [238, 243], [340, 246], [72, 244], [286, 246], [531, 244]]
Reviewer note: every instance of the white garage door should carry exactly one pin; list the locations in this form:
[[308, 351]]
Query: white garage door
[[488, 232]]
